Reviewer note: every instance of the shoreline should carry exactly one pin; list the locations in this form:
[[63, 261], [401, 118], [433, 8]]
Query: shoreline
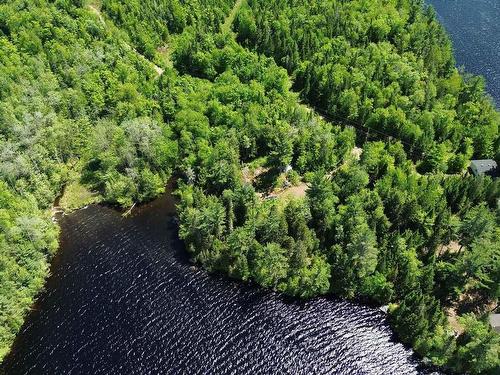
[[250, 285]]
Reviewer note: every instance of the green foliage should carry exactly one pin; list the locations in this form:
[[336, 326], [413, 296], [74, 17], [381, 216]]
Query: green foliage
[[385, 67], [378, 288], [27, 238], [74, 94], [480, 265], [150, 24], [130, 162], [478, 221], [270, 265], [272, 245], [416, 316], [478, 349], [80, 95]]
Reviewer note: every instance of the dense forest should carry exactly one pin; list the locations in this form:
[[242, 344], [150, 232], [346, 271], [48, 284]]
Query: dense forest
[[80, 108], [385, 67], [363, 193]]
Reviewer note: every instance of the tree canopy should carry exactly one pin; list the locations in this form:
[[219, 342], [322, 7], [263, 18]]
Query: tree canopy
[[361, 193]]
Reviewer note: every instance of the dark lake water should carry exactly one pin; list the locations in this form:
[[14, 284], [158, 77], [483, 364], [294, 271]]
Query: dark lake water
[[123, 299], [474, 27]]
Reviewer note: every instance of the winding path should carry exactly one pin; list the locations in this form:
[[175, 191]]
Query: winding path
[[226, 27], [96, 10]]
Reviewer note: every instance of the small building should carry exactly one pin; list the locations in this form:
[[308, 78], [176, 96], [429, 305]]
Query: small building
[[486, 167], [271, 197], [495, 322]]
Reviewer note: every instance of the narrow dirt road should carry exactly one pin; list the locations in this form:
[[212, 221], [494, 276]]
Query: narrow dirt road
[[97, 11], [226, 27]]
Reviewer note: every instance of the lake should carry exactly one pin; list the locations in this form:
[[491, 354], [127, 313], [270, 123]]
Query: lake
[[124, 299], [474, 28]]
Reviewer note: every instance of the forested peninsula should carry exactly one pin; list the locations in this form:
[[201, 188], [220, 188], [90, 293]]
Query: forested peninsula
[[319, 147]]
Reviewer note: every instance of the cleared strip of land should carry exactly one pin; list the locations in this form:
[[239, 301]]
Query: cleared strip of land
[[226, 27]]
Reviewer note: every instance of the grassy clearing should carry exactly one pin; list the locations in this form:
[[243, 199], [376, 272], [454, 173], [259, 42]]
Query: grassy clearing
[[77, 196], [163, 54]]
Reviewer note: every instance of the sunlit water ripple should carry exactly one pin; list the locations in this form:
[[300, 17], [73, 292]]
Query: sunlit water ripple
[[474, 27], [123, 299]]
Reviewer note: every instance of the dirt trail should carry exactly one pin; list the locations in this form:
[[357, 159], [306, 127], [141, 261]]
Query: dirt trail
[[226, 27], [96, 10]]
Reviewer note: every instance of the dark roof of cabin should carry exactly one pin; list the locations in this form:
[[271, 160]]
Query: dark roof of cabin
[[486, 166]]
